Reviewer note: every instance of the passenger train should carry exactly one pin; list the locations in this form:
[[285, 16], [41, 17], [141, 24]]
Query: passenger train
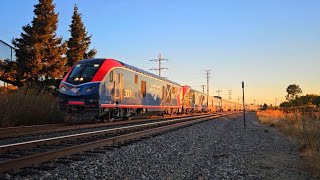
[[104, 89]]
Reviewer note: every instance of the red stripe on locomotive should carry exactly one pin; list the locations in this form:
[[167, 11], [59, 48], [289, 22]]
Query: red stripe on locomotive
[[136, 106], [66, 76], [75, 102], [105, 68]]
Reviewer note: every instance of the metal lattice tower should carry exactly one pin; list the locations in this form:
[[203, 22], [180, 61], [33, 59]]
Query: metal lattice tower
[[159, 65], [230, 94], [219, 91]]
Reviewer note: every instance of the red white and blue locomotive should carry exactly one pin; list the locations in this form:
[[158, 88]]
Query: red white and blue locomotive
[[104, 89]]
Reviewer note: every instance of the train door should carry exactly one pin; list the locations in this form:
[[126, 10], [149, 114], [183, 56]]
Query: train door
[[193, 102], [143, 89], [118, 86]]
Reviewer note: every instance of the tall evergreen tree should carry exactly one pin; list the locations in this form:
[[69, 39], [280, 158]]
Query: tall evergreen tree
[[39, 52], [79, 41]]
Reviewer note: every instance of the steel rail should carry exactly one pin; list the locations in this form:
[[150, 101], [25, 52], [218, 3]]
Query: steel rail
[[26, 130], [35, 159], [20, 130], [54, 140]]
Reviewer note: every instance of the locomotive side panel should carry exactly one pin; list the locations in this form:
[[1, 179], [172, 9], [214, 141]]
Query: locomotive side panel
[[213, 105], [194, 100], [217, 103], [129, 89]]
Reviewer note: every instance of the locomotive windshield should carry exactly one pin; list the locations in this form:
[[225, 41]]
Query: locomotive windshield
[[83, 72]]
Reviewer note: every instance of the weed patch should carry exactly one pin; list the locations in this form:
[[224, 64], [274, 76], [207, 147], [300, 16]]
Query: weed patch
[[29, 106], [302, 125]]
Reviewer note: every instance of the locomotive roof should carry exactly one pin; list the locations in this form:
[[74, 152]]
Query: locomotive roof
[[219, 97], [99, 60]]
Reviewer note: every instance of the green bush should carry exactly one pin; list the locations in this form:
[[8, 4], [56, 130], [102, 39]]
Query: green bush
[[29, 105]]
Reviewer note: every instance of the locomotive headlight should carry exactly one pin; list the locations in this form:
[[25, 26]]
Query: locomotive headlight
[[90, 89], [63, 89]]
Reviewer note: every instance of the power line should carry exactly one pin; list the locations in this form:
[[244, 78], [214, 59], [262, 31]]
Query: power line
[[159, 66]]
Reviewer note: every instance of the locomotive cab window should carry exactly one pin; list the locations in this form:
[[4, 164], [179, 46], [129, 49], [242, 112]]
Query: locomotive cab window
[[83, 72]]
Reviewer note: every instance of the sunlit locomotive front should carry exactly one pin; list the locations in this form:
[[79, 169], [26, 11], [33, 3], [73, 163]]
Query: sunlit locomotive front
[[104, 89]]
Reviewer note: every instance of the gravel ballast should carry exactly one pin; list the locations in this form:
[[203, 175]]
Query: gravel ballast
[[216, 149]]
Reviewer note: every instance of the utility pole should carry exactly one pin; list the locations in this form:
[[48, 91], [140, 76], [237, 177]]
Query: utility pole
[[219, 91], [230, 97], [159, 66], [230, 94], [238, 99], [275, 102], [203, 88], [244, 107], [207, 76], [220, 102]]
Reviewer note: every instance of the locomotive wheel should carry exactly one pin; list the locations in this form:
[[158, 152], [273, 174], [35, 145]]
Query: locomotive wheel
[[110, 120], [128, 118], [108, 117]]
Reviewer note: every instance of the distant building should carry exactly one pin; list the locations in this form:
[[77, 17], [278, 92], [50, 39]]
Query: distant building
[[6, 52]]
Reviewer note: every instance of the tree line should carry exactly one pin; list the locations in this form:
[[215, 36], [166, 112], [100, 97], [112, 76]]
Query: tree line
[[294, 99], [40, 54]]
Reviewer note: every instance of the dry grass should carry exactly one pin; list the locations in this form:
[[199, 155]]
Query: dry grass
[[28, 106], [302, 125], [270, 117]]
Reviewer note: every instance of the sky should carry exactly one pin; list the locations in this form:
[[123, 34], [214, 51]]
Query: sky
[[268, 44]]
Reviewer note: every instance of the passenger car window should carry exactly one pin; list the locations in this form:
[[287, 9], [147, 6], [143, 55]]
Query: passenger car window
[[136, 79], [143, 89]]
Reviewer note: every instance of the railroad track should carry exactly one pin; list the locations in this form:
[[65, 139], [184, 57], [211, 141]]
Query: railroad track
[[19, 155], [38, 129]]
